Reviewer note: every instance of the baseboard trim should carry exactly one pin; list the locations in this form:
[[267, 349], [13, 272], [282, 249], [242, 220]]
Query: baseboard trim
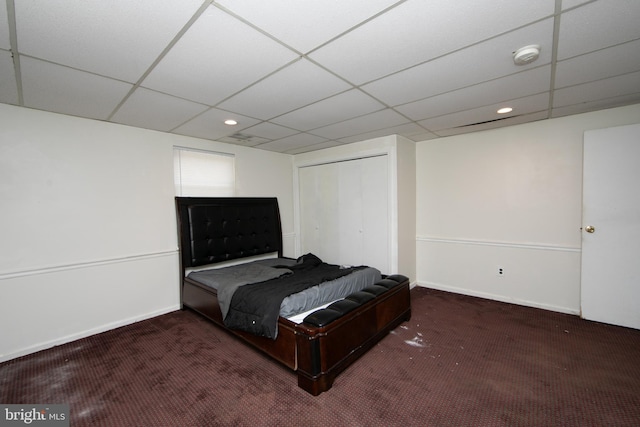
[[501, 298], [83, 334]]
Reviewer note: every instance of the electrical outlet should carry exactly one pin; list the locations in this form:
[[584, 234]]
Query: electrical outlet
[[500, 271]]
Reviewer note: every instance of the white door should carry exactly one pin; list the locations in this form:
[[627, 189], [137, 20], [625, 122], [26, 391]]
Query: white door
[[610, 290]]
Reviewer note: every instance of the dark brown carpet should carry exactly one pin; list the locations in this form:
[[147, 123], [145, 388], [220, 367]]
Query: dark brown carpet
[[460, 361]]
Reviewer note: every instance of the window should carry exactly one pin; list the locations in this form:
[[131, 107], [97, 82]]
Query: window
[[203, 173]]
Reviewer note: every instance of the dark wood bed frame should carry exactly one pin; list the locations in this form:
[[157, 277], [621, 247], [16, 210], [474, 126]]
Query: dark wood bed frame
[[214, 230]]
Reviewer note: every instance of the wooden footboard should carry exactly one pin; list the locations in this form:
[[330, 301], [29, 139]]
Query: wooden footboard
[[331, 339]]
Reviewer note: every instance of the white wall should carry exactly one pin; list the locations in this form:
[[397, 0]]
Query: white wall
[[508, 198], [88, 225], [406, 183]]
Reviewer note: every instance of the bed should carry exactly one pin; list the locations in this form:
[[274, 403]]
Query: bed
[[318, 343]]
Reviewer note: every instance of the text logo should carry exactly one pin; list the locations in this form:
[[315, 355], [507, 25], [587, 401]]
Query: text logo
[[34, 415]]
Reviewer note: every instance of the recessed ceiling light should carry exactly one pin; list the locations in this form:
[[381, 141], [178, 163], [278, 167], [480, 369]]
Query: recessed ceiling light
[[230, 122], [505, 110]]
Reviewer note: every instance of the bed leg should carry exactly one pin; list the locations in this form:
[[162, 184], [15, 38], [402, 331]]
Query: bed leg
[[315, 386], [311, 377]]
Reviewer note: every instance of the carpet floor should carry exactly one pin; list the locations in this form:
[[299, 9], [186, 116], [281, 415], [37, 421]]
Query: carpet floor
[[459, 361]]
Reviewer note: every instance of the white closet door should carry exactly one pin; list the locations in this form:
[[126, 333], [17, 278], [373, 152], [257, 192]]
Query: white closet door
[[319, 210], [344, 212], [350, 211], [376, 211], [309, 227]]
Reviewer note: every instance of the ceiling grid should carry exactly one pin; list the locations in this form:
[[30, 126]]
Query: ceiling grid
[[301, 76]]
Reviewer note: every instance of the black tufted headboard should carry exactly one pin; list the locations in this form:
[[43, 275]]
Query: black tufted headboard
[[216, 229]]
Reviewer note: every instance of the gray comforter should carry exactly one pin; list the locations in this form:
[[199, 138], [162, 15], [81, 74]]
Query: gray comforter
[[227, 280]]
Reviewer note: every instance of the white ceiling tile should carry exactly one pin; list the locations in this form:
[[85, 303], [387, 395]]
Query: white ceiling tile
[[8, 84], [601, 89], [489, 60], [153, 110], [341, 107], [210, 125], [517, 120], [217, 57], [422, 136], [289, 20], [417, 31], [50, 87], [4, 29], [297, 85], [358, 125], [522, 106], [620, 59], [568, 4], [407, 128], [598, 25], [292, 142], [514, 86], [314, 147], [115, 38], [601, 104], [270, 131]]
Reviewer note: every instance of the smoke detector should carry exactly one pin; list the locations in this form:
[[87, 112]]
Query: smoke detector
[[526, 55]]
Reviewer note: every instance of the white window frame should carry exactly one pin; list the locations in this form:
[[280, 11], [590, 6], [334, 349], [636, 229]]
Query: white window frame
[[202, 173]]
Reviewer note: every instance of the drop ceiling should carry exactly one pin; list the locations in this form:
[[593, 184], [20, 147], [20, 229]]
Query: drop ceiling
[[302, 75]]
